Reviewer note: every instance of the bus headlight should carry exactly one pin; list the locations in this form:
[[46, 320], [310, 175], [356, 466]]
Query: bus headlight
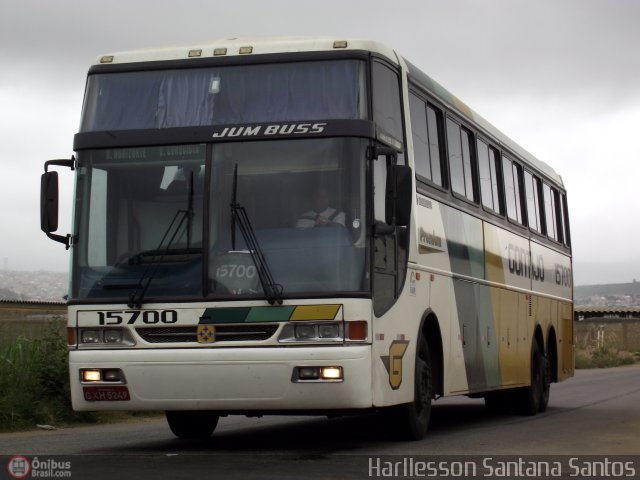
[[112, 337], [305, 332], [312, 332], [90, 336], [331, 330]]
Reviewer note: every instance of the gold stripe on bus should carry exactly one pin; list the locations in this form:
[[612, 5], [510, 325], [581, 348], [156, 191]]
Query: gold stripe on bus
[[315, 312]]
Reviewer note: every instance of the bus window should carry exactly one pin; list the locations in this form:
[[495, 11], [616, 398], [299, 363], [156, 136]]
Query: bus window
[[426, 145], [387, 110], [565, 219], [550, 212], [532, 188], [512, 183], [460, 163], [489, 181]]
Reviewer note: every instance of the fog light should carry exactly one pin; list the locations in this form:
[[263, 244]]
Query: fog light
[[90, 336], [113, 336], [305, 331], [91, 375], [308, 373], [329, 331], [331, 373]]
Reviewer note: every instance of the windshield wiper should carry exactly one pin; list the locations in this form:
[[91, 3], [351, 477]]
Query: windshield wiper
[[239, 217], [136, 297]]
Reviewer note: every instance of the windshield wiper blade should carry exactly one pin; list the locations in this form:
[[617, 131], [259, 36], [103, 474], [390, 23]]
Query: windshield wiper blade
[[272, 290], [136, 297]]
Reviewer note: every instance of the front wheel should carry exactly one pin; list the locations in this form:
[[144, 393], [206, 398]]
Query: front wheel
[[192, 423], [413, 418]]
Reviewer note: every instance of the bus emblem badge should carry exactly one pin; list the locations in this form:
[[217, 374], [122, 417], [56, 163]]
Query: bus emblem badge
[[206, 334], [393, 362]]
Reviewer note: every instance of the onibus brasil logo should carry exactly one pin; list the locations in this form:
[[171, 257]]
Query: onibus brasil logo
[[19, 467]]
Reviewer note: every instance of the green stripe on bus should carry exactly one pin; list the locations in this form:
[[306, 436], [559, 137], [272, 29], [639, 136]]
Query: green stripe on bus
[[246, 315], [270, 314]]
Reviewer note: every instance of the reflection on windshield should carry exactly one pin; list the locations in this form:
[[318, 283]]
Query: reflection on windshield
[[141, 215], [305, 199]]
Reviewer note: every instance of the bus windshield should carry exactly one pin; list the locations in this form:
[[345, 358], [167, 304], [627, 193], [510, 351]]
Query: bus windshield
[[158, 219], [242, 94]]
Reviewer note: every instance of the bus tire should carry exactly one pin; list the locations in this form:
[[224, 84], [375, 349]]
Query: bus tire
[[191, 424], [546, 385], [412, 419], [528, 399]]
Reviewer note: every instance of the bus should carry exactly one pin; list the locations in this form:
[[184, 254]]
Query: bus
[[305, 226]]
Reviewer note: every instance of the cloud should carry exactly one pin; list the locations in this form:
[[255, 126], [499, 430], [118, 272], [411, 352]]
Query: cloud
[[558, 77]]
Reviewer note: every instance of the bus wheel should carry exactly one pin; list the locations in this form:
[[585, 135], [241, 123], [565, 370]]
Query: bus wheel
[[192, 423], [413, 418], [528, 400], [546, 385]]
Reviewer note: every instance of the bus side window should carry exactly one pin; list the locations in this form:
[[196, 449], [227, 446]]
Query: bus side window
[[554, 230], [565, 219], [426, 127], [512, 184], [489, 177], [387, 109], [532, 192], [460, 161]]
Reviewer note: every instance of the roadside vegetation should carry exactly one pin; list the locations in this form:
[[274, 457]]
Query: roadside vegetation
[[605, 357], [34, 385]]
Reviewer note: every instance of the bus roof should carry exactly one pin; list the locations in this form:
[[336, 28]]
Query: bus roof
[[272, 45], [247, 46]]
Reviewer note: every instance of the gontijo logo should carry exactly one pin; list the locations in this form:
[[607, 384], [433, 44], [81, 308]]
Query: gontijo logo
[[18, 467]]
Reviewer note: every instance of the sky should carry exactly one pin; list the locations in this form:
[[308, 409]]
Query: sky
[[560, 77]]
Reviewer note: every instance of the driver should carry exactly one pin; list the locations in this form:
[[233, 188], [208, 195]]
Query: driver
[[321, 213]]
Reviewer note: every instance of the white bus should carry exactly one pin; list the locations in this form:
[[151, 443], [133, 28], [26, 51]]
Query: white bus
[[305, 226]]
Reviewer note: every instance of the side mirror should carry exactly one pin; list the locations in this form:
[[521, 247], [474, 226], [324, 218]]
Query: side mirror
[[49, 202], [398, 195]]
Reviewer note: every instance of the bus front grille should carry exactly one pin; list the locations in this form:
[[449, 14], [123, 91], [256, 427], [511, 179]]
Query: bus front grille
[[223, 333]]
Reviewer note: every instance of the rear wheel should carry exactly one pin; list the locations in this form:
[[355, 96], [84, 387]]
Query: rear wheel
[[192, 423], [546, 385], [529, 399], [413, 418]]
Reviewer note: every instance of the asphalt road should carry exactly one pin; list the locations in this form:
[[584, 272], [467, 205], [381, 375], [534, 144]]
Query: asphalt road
[[595, 413]]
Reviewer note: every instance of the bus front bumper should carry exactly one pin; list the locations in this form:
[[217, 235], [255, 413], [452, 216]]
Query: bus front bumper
[[242, 379]]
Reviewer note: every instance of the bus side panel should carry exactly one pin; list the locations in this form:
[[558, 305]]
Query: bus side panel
[[474, 303], [508, 334], [508, 264]]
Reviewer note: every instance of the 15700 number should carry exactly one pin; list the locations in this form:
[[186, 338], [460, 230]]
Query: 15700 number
[[129, 317]]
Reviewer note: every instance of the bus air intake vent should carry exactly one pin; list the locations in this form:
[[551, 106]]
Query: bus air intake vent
[[224, 333]]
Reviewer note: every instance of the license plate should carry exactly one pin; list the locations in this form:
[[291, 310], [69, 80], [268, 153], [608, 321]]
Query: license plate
[[106, 394]]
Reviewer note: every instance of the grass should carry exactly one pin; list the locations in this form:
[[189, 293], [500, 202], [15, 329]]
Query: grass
[[34, 381], [605, 358]]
